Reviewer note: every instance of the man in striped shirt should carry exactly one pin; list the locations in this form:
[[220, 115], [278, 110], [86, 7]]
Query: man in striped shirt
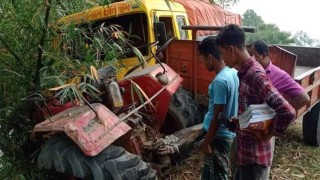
[[254, 150]]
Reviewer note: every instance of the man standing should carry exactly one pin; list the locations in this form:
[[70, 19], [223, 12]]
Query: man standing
[[280, 79], [254, 150], [223, 97]]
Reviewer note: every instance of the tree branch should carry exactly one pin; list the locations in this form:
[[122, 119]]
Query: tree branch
[[41, 45]]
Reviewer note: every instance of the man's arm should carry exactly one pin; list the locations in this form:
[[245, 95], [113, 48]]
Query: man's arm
[[219, 99], [290, 89], [285, 113], [213, 129], [299, 101]]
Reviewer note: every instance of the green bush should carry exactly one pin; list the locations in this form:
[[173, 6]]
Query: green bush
[[30, 63]]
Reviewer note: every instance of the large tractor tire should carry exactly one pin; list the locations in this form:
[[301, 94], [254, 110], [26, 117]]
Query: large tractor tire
[[183, 112], [311, 126], [61, 154]]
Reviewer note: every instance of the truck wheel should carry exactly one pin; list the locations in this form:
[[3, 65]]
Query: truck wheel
[[61, 154], [183, 112], [311, 126]]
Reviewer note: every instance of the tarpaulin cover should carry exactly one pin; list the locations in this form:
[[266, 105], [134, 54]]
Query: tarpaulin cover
[[202, 13]]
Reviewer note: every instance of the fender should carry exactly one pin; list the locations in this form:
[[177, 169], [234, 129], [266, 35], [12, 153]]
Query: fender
[[84, 128]]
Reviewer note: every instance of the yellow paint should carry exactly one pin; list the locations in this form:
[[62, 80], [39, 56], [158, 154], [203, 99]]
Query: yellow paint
[[149, 7]]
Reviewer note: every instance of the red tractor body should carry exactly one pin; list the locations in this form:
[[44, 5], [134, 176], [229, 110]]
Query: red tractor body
[[148, 81], [93, 134]]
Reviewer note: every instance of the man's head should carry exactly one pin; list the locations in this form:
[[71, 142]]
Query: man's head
[[209, 53], [259, 49], [231, 42]]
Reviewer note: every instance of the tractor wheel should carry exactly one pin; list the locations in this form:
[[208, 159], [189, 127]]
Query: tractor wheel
[[61, 154], [311, 126], [183, 112]]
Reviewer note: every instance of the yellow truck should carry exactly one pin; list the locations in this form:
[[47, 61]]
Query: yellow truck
[[153, 20]]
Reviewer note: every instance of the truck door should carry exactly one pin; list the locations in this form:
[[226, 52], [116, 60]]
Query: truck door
[[168, 26], [173, 26]]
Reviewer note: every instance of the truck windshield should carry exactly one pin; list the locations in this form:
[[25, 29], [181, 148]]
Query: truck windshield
[[133, 26]]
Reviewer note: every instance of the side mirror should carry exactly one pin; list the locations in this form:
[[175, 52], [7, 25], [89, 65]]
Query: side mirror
[[160, 32]]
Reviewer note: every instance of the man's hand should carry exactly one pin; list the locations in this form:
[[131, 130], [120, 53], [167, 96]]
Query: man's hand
[[235, 125], [206, 148]]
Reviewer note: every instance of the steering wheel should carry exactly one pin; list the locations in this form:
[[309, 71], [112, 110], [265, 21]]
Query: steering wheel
[[163, 47]]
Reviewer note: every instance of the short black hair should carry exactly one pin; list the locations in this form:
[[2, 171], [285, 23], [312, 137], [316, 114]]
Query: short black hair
[[208, 46], [231, 35], [261, 47]]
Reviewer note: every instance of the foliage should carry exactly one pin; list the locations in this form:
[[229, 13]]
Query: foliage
[[272, 34], [224, 3], [31, 62], [268, 32], [251, 19], [20, 26], [301, 38], [83, 49]]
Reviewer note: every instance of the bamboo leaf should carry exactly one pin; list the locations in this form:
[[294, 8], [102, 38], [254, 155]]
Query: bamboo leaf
[[77, 94], [81, 86], [168, 4], [59, 87], [64, 94], [93, 88], [94, 73], [91, 92], [99, 42], [142, 61], [117, 46], [13, 72], [141, 94], [136, 90]]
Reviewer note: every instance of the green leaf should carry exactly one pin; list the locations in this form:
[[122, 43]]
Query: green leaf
[[142, 61], [141, 94], [117, 46], [93, 88], [20, 177], [168, 4], [98, 40], [64, 94]]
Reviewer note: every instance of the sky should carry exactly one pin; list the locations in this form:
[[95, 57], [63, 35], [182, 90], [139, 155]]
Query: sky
[[288, 15]]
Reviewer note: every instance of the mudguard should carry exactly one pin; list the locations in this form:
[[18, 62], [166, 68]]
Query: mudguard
[[90, 133]]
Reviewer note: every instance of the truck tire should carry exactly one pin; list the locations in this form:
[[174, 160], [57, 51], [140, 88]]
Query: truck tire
[[182, 113], [61, 154], [311, 126]]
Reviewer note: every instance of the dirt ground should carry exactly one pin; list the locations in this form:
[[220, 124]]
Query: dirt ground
[[293, 160], [190, 168]]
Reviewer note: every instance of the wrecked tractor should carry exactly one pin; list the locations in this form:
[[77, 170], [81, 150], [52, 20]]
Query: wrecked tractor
[[130, 134]]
